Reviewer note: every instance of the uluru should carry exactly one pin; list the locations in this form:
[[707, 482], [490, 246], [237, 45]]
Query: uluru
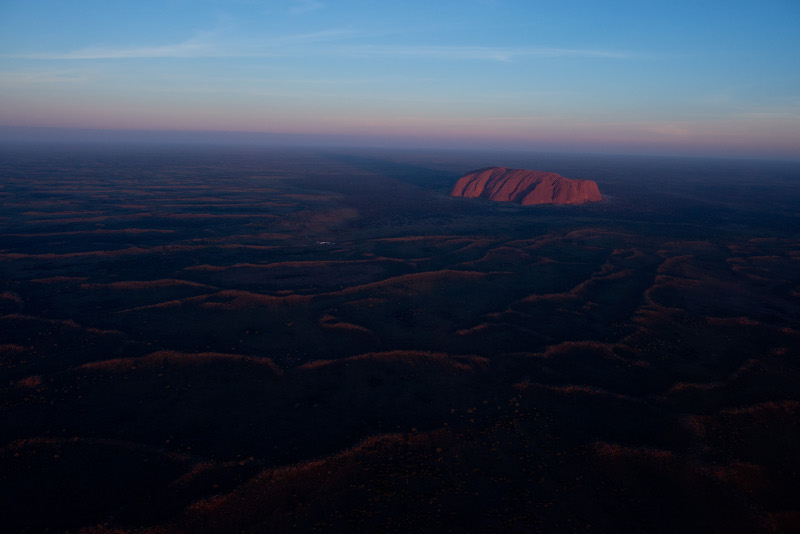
[[525, 187]]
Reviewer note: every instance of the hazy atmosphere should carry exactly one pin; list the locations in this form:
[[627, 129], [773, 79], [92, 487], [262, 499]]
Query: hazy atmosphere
[[683, 78]]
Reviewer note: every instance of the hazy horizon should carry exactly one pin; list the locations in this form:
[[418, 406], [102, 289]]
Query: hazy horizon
[[92, 137], [717, 79]]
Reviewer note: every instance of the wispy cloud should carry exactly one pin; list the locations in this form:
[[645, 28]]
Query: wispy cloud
[[480, 52], [206, 45], [304, 6], [331, 42], [323, 36], [200, 45]]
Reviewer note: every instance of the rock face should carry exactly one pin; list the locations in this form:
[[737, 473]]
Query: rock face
[[525, 187]]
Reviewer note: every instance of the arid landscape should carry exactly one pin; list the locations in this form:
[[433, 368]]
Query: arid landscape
[[273, 340]]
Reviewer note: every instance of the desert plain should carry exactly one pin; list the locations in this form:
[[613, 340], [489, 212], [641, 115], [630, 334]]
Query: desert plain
[[275, 340]]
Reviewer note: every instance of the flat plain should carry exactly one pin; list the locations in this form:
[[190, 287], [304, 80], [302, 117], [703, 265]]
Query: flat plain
[[272, 340]]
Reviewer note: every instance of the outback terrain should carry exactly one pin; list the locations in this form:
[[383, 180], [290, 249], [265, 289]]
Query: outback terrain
[[249, 340]]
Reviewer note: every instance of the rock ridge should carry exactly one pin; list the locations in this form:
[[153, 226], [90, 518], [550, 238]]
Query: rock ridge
[[525, 187]]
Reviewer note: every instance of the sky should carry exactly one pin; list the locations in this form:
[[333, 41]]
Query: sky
[[699, 77]]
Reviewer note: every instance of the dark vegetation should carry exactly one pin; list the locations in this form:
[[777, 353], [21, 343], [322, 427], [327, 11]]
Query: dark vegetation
[[280, 340]]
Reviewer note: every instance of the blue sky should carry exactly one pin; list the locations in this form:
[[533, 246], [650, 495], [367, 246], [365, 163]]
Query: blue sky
[[717, 78]]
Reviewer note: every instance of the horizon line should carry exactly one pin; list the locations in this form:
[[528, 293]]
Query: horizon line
[[10, 133]]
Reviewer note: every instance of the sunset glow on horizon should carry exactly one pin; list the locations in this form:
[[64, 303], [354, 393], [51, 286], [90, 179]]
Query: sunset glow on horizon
[[718, 79]]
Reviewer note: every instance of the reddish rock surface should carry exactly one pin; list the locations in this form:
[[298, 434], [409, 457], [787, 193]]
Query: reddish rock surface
[[525, 187]]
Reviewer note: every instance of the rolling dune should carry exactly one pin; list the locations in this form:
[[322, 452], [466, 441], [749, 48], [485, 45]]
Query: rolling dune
[[298, 341]]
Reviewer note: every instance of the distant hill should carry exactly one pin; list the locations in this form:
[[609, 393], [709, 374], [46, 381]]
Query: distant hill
[[525, 187]]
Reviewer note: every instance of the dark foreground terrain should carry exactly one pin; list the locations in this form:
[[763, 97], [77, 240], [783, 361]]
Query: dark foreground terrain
[[269, 341]]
